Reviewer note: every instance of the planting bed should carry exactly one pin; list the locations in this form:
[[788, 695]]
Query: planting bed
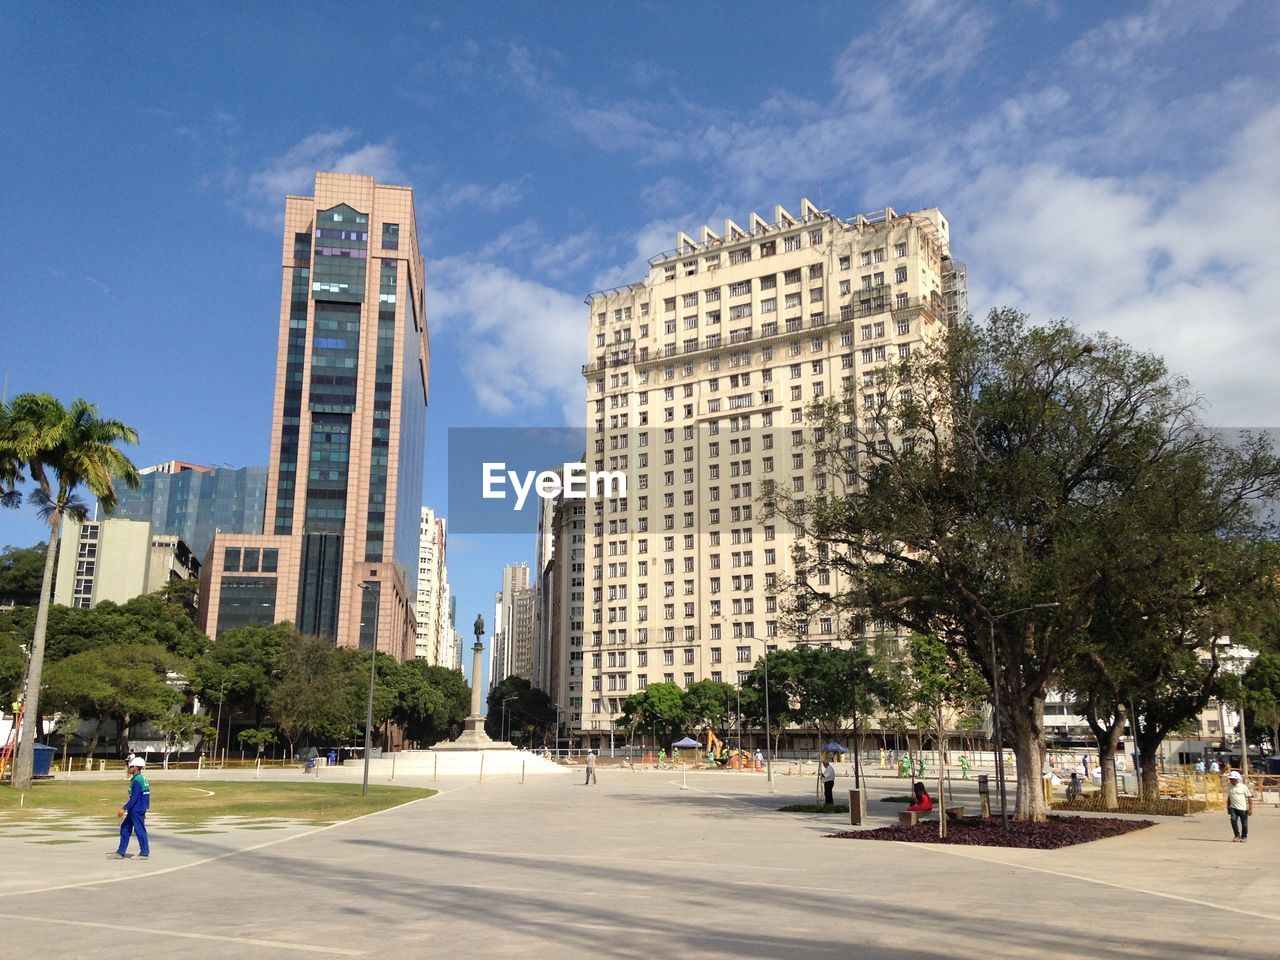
[[973, 831]]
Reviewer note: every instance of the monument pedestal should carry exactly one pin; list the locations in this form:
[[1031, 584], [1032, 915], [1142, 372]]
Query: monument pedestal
[[473, 737]]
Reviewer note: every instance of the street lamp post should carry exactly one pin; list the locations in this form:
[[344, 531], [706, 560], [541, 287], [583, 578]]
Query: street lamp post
[[375, 589], [505, 736], [768, 744], [217, 727], [995, 690]]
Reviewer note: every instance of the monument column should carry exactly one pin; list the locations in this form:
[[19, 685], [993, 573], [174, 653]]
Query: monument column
[[473, 736], [475, 721]]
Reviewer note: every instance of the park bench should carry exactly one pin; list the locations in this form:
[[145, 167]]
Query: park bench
[[955, 813]]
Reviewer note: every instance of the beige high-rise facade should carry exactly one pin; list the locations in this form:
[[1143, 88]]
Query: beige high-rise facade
[[511, 650], [344, 485], [435, 630], [698, 380], [117, 560]]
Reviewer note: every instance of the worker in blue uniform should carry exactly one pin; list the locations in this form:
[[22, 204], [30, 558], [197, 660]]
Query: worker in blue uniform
[[134, 812]]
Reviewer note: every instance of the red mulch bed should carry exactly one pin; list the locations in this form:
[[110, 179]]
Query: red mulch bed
[[973, 831]]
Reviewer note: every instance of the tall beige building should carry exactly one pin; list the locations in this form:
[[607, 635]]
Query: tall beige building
[[117, 560], [697, 385], [435, 630], [344, 485], [511, 650]]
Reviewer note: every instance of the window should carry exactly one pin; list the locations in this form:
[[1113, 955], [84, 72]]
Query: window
[[900, 275], [899, 249], [391, 236]]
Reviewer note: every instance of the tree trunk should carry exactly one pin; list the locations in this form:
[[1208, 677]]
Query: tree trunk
[[942, 798], [1107, 761], [1150, 777], [1027, 736], [22, 765]]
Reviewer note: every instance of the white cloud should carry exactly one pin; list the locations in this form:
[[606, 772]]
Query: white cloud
[[521, 343], [260, 194], [1121, 42]]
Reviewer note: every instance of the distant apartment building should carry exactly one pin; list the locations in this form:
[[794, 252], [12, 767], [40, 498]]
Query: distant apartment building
[[507, 632], [117, 560], [194, 502], [344, 484], [434, 599], [544, 597], [697, 383]]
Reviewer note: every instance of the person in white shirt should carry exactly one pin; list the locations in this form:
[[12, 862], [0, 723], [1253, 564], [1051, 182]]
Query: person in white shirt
[[827, 774], [1239, 806]]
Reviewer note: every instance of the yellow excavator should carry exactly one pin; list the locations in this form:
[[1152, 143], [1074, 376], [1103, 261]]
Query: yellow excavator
[[737, 759]]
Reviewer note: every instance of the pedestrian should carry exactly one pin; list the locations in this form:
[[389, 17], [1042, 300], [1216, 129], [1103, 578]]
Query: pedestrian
[[1200, 765], [662, 757], [827, 774], [921, 801], [1074, 789], [759, 758], [964, 767], [134, 813], [1215, 766], [591, 769], [1239, 806], [904, 766]]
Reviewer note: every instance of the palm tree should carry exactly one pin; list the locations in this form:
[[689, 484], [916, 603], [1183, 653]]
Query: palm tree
[[10, 465], [61, 449]]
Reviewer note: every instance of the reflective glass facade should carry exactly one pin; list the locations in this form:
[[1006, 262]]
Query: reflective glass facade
[[375, 518], [294, 373], [194, 503], [412, 441], [246, 601]]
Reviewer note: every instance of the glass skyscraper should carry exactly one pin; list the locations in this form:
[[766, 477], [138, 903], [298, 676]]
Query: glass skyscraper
[[194, 502], [344, 485]]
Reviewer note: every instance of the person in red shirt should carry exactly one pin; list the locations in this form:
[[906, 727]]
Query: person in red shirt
[[923, 802]]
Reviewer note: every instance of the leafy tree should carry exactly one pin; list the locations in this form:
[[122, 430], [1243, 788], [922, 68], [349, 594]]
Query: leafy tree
[[709, 703], [178, 728], [21, 570], [529, 713], [241, 667], [258, 737], [315, 694], [182, 595], [941, 682], [981, 476], [430, 700], [1261, 695], [13, 664], [659, 710], [127, 683]]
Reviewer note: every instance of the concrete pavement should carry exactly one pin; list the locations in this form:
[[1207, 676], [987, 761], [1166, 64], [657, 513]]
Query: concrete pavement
[[639, 867]]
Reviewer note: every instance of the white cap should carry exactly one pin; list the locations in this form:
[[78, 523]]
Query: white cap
[[1233, 775], [137, 762]]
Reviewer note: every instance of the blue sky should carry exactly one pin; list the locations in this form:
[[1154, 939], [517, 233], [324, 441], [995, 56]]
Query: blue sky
[[1113, 163]]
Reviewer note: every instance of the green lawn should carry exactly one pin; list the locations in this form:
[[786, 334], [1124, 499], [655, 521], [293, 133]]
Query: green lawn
[[200, 801]]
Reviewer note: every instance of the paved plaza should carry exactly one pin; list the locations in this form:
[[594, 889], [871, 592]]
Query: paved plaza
[[639, 866]]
